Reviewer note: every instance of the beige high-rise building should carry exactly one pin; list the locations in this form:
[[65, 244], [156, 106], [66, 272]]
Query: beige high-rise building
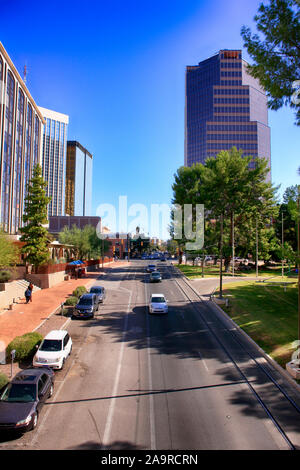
[[21, 124]]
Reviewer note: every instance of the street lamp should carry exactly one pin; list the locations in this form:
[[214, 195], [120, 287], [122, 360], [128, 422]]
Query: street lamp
[[128, 247]]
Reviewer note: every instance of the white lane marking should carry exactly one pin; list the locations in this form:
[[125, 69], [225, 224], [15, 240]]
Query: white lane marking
[[109, 419], [203, 361], [151, 401]]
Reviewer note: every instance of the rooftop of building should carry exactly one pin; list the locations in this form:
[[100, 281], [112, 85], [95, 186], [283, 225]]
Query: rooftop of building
[[54, 115], [75, 143], [20, 81]]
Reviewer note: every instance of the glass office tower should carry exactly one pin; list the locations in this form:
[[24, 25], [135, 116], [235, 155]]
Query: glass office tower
[[21, 125], [78, 180], [224, 107], [54, 158]]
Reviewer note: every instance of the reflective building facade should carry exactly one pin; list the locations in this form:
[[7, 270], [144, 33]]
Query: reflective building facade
[[224, 107], [54, 158], [79, 172], [21, 125]]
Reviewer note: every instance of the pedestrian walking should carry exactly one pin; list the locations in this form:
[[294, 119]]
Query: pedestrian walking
[[31, 289], [28, 294]]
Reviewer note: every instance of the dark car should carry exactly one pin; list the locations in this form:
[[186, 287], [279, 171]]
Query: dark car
[[163, 258], [150, 268], [86, 307], [22, 399], [99, 292], [155, 276]]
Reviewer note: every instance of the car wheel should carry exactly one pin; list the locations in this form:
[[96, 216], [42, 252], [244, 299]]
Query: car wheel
[[50, 391], [34, 421]]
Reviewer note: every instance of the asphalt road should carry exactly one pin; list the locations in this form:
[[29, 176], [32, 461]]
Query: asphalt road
[[172, 382]]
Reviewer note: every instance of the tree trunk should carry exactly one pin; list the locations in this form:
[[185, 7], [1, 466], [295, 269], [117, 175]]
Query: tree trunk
[[227, 260]]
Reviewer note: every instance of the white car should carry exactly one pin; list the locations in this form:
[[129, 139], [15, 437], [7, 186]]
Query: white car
[[54, 350], [158, 304]]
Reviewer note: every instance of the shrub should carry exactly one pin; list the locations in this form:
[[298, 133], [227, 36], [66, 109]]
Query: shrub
[[3, 380], [5, 276], [65, 312], [25, 346], [79, 291], [72, 301]]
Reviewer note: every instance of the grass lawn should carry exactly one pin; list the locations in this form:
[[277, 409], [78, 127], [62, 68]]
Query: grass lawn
[[195, 272], [267, 314]]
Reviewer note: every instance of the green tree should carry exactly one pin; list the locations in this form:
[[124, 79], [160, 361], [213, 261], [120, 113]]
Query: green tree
[[276, 52], [172, 246], [9, 253], [34, 232], [187, 189], [85, 241], [234, 196], [288, 217]]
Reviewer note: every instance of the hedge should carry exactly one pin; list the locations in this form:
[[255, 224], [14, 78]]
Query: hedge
[[79, 291], [25, 346], [5, 276], [72, 301]]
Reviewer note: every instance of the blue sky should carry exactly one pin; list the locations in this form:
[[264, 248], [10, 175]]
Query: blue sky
[[117, 68]]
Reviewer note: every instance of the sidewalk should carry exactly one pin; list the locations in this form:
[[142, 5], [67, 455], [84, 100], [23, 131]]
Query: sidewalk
[[24, 318]]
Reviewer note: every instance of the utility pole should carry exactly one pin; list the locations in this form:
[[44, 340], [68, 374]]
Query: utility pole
[[232, 243], [256, 256], [128, 247], [282, 269], [25, 74], [221, 257]]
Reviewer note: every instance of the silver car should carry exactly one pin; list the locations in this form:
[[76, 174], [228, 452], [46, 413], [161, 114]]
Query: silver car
[[158, 304], [100, 293]]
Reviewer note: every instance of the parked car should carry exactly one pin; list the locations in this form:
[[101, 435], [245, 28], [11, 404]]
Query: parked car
[[100, 293], [158, 304], [163, 258], [86, 307], [22, 399], [150, 268], [54, 350], [155, 276]]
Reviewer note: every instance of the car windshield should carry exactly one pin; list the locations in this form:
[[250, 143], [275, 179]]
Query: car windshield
[[155, 274], [51, 345], [85, 301], [158, 299], [97, 290], [19, 393]]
